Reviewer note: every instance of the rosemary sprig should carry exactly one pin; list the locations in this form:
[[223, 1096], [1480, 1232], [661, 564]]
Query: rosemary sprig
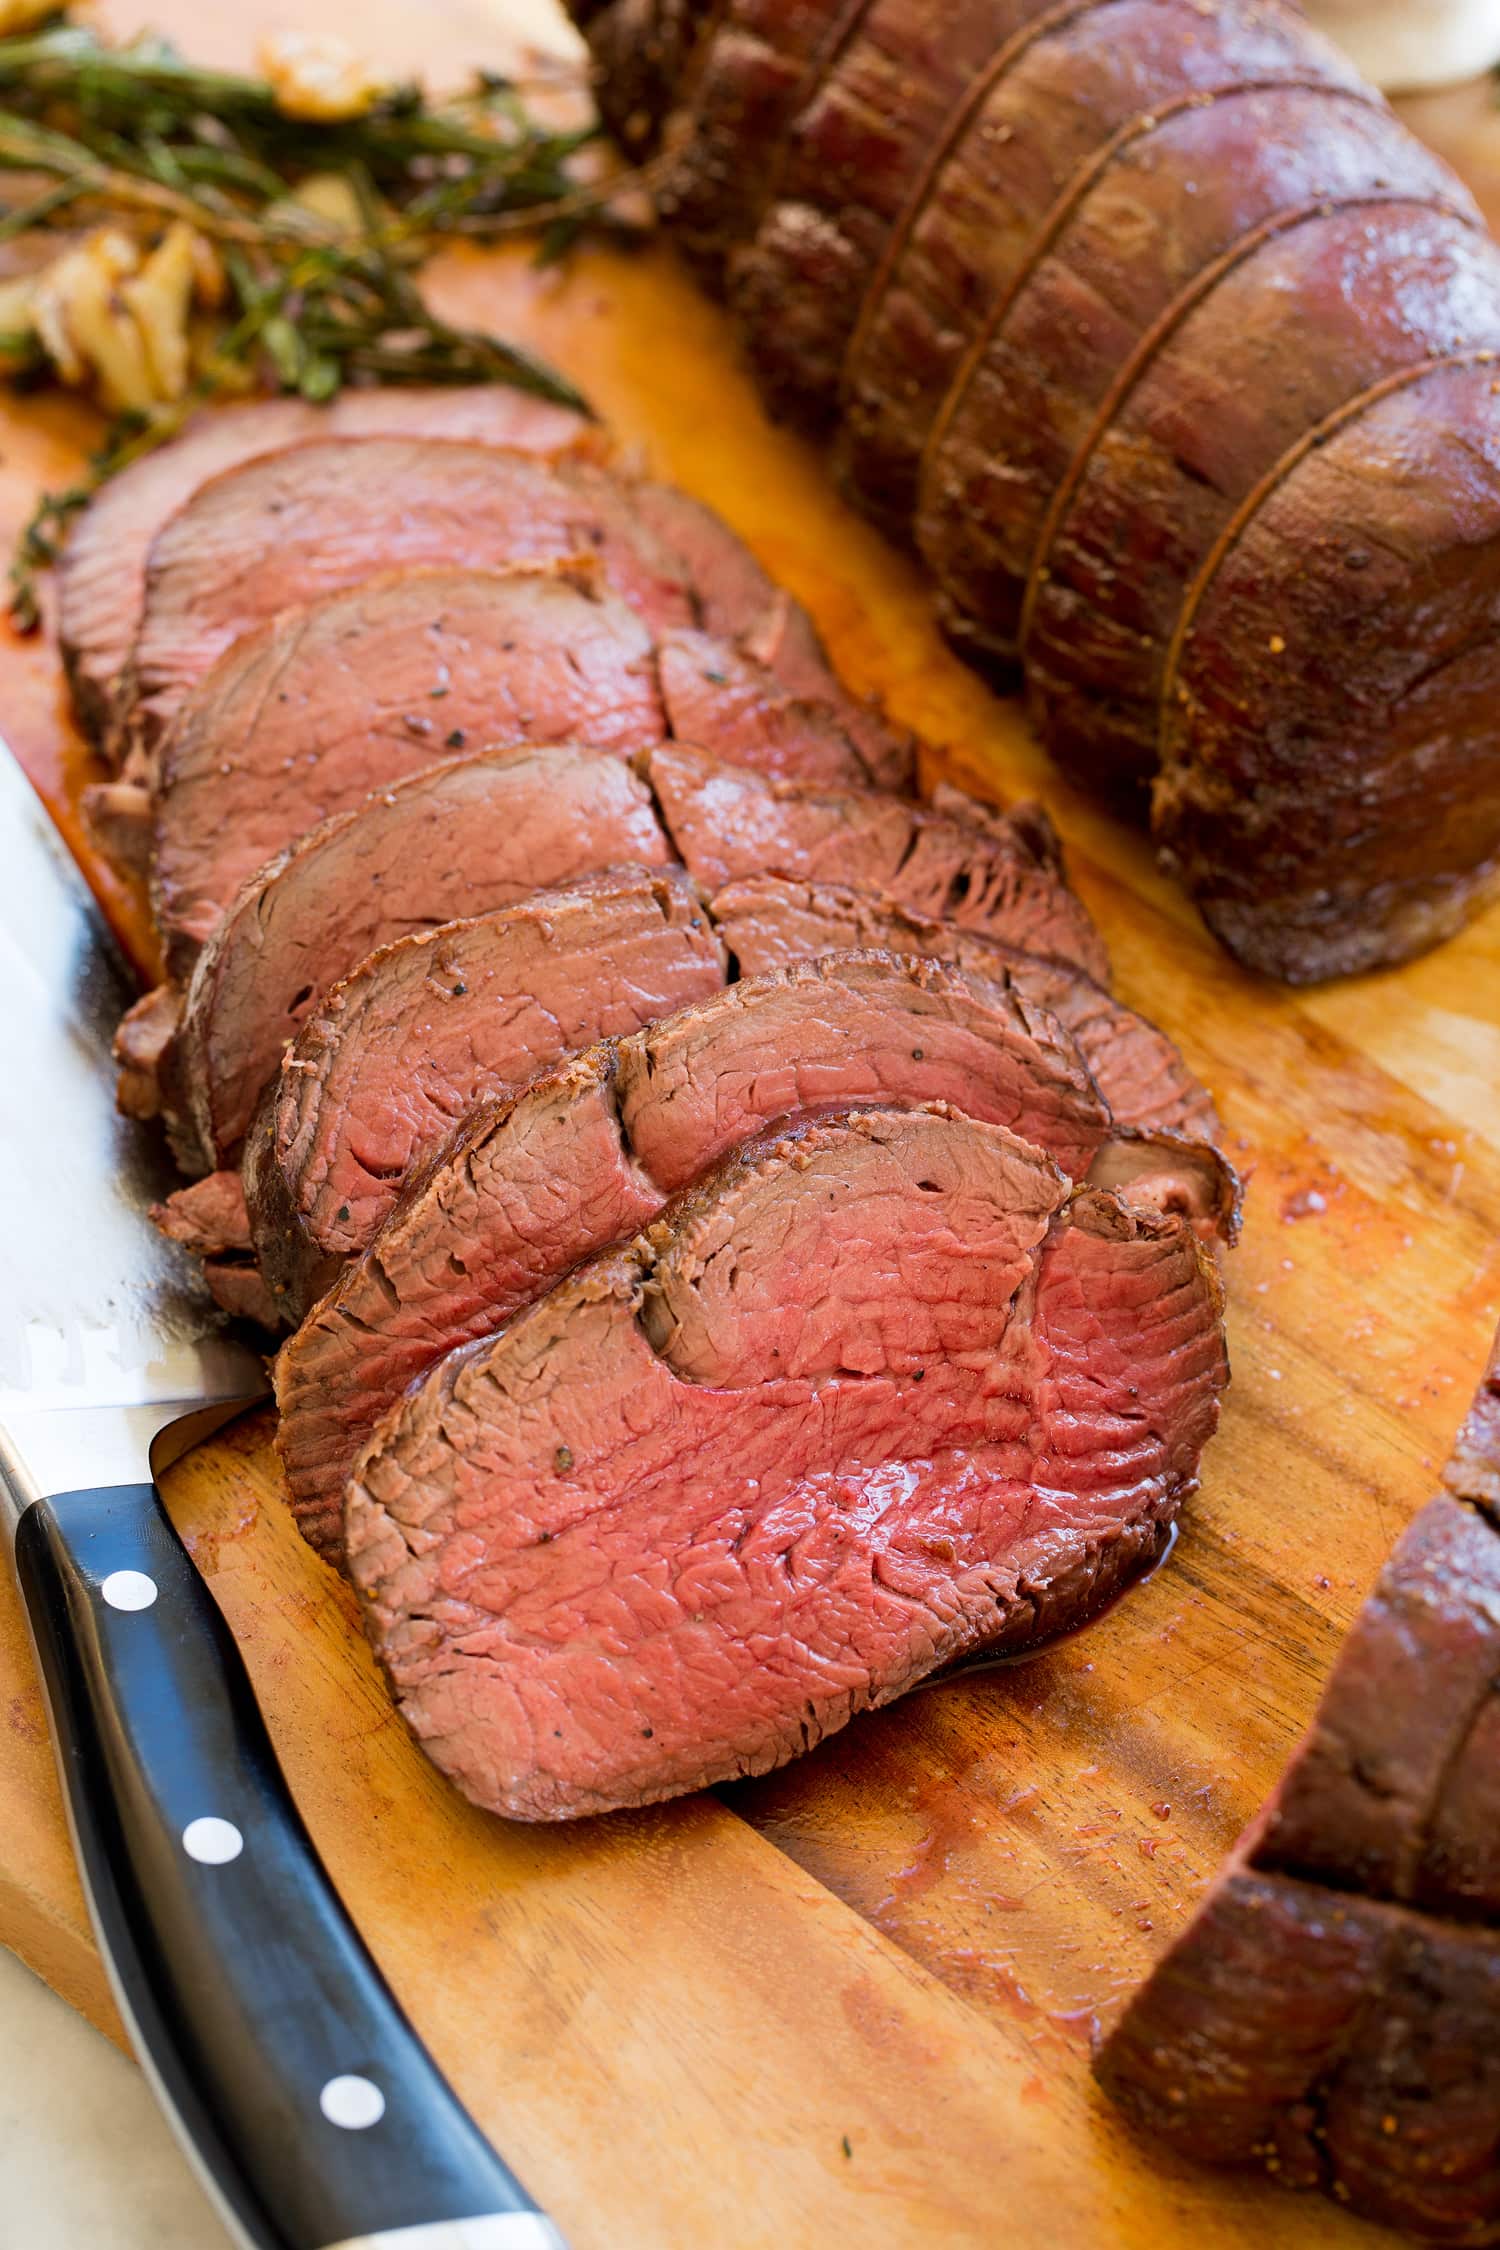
[[139, 139]]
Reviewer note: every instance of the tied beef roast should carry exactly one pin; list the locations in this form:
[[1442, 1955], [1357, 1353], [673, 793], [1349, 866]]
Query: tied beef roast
[[1176, 357], [780, 1459], [1333, 2012], [307, 715]]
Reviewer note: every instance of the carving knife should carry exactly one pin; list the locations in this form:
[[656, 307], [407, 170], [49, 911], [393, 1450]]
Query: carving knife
[[311, 2110]]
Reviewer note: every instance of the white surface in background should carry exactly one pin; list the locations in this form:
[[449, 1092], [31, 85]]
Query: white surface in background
[[1413, 43], [86, 2162]]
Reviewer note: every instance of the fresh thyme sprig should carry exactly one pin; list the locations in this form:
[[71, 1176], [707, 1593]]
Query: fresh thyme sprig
[[138, 140]]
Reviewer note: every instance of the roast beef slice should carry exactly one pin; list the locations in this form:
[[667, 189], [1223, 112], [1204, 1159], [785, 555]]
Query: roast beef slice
[[767, 921], [320, 517], [398, 1052], [101, 580], [460, 839], [713, 1496], [473, 1239], [729, 824]]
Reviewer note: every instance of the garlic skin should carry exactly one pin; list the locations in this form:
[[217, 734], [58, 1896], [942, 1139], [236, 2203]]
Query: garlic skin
[[1411, 44], [317, 77]]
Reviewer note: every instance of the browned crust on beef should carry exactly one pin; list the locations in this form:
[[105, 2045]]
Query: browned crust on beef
[[1331, 818]]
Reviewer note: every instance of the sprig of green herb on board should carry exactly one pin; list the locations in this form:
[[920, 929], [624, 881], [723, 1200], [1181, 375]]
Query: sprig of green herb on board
[[185, 234]]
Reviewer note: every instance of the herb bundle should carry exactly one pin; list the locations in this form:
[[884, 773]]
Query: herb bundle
[[218, 234]]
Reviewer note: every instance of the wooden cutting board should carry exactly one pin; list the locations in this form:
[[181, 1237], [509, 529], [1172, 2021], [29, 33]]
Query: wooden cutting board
[[854, 2001]]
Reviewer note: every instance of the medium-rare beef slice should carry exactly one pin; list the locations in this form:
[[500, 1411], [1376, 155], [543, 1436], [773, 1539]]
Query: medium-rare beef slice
[[736, 600], [304, 717], [307, 715], [319, 517], [1334, 2008], [766, 922], [1384, 286], [709, 1511], [527, 1188], [1341, 2042], [399, 1051], [1330, 817], [713, 694], [983, 874], [1107, 282], [101, 579], [1073, 102], [460, 839]]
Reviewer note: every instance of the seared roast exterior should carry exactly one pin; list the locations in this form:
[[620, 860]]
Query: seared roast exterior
[[1334, 2010], [1174, 355]]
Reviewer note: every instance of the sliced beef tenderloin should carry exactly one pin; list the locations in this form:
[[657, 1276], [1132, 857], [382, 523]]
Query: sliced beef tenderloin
[[1341, 2042], [981, 873], [320, 517], [1108, 282], [317, 518], [397, 1053], [101, 580], [1473, 1470], [766, 922], [526, 1188], [304, 717], [1334, 2009], [1072, 106], [737, 601], [1383, 286], [780, 1460], [1331, 817], [716, 695], [461, 839]]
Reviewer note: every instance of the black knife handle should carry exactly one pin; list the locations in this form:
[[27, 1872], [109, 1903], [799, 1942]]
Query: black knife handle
[[272, 2035]]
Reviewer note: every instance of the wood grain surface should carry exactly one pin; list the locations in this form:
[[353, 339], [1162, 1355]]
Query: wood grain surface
[[854, 2001]]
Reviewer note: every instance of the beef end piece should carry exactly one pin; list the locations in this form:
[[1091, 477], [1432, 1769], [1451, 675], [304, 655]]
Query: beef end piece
[[1341, 2042], [722, 1491], [1333, 2011]]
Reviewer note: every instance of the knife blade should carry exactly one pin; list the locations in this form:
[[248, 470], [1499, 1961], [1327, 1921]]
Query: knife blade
[[314, 2115]]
